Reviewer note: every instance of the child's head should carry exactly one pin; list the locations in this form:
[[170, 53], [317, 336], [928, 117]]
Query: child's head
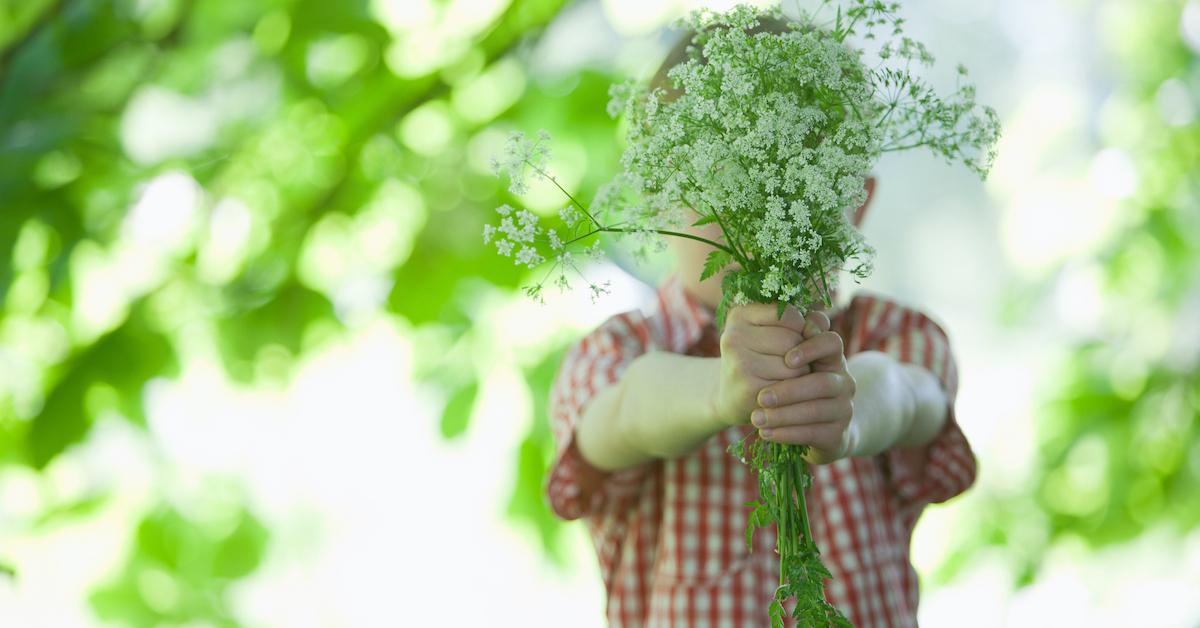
[[690, 254]]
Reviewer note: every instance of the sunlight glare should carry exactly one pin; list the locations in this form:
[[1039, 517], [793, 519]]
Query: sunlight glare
[[159, 123]]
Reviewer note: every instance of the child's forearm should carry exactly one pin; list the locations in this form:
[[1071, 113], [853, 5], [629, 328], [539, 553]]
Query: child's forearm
[[896, 404], [662, 407]]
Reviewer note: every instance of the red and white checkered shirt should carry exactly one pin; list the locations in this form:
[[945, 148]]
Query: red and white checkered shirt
[[670, 534]]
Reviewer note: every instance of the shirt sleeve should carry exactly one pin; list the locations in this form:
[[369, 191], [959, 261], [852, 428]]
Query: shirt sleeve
[[945, 466], [574, 487]]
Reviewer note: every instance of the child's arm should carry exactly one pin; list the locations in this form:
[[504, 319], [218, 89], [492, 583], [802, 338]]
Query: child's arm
[[665, 404], [658, 393], [897, 404]]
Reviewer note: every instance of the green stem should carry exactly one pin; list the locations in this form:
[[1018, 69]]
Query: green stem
[[784, 529], [801, 470], [564, 191], [658, 231], [733, 237], [679, 235], [578, 238]]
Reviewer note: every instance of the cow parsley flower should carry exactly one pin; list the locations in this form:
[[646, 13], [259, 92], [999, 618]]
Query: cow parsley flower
[[522, 155], [771, 133]]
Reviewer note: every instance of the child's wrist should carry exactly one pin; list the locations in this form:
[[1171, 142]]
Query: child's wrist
[[713, 418]]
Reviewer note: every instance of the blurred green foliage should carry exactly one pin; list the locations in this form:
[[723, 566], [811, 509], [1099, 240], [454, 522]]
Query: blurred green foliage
[[1118, 434], [331, 145], [179, 571]]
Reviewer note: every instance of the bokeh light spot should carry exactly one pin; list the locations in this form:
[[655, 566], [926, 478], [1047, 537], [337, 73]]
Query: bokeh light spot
[[428, 129], [332, 60], [489, 94], [159, 123], [272, 31]]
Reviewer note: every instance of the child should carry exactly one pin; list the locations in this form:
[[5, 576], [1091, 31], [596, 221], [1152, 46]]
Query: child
[[644, 407]]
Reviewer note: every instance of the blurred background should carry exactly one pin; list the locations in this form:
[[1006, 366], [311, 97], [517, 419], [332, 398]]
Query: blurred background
[[258, 369]]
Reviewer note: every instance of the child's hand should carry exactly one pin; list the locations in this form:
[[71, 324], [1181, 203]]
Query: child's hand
[[814, 408], [753, 347]]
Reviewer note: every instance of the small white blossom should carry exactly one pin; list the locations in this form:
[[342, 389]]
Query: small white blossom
[[529, 257], [569, 215], [520, 156], [508, 227]]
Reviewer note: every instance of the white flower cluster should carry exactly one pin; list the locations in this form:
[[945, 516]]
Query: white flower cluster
[[520, 155], [773, 134], [770, 133], [521, 237]]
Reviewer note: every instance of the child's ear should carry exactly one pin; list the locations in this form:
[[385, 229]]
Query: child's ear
[[862, 209]]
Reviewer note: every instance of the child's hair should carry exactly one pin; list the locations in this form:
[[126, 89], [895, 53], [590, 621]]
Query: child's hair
[[679, 53]]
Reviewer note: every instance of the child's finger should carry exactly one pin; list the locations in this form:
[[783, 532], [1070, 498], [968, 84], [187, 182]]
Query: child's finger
[[827, 437], [822, 385], [803, 413], [822, 352], [815, 323]]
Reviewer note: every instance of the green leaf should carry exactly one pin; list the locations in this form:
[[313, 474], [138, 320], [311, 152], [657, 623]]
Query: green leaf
[[716, 260], [526, 504], [729, 285], [240, 553], [163, 535], [776, 612], [266, 316], [62, 420], [124, 359], [705, 219], [457, 415], [200, 561]]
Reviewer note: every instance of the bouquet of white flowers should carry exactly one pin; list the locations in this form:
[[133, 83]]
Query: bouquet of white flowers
[[770, 133]]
